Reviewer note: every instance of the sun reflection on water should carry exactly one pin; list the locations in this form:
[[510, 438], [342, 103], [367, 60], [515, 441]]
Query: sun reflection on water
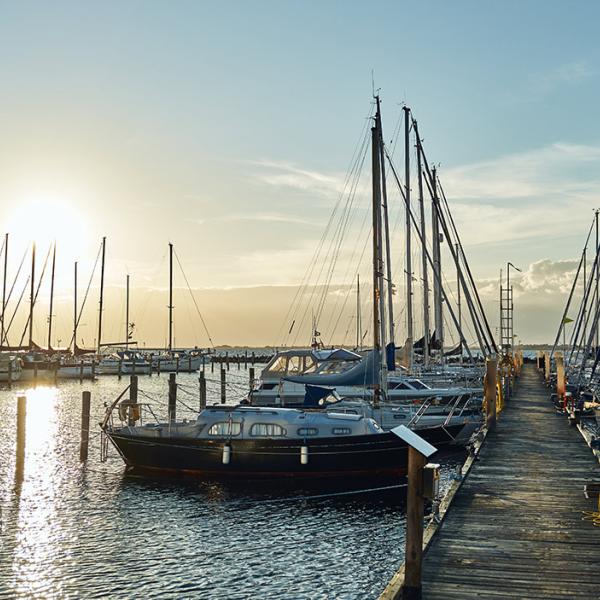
[[36, 532]]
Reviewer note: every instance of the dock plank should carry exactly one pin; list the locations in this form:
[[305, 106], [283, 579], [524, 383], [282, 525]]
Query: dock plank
[[514, 529]]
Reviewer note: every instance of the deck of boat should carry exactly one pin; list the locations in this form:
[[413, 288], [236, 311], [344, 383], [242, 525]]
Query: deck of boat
[[515, 528]]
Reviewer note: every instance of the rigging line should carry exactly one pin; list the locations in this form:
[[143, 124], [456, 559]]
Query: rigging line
[[37, 291], [341, 229], [73, 341], [348, 196], [310, 267], [337, 251], [193, 298], [16, 277], [15, 311]]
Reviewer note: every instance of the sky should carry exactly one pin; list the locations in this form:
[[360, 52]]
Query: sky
[[228, 129]]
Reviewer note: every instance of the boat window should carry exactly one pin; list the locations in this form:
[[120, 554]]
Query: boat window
[[401, 386], [225, 428], [267, 430], [399, 416], [418, 385], [336, 366], [307, 431], [279, 365], [341, 431], [294, 364], [310, 364]]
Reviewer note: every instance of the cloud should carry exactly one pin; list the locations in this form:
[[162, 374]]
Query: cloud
[[286, 174]]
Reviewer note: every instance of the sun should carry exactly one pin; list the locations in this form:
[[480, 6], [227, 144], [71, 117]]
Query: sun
[[45, 219]]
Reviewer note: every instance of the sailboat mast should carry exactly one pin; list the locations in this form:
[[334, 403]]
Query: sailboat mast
[[376, 258], [101, 293], [409, 307], [424, 269], [51, 297], [597, 307], [388, 256], [437, 292], [170, 297], [358, 315], [4, 287], [32, 296], [75, 312], [458, 295], [127, 314]]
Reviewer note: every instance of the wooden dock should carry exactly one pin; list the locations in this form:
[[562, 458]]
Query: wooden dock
[[515, 528]]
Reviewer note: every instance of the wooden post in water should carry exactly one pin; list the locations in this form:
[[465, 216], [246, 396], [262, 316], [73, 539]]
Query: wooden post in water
[[223, 382], [10, 377], [202, 390], [227, 359], [253, 358], [246, 358], [490, 390], [212, 365], [21, 424], [547, 368], [81, 371], [133, 397], [85, 426], [172, 398], [251, 378], [415, 510]]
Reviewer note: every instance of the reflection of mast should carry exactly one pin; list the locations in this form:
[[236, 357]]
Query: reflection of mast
[[51, 298], [32, 296]]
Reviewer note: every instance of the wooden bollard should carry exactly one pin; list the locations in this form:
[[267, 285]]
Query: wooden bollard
[[253, 358], [251, 378], [172, 398], [120, 371], [133, 397], [415, 510], [81, 371], [21, 428], [223, 376], [561, 386], [202, 383], [246, 358], [93, 369], [238, 362], [227, 360], [547, 367], [490, 390], [85, 425], [212, 365]]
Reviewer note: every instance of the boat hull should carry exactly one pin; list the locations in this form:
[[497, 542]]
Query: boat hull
[[380, 455]]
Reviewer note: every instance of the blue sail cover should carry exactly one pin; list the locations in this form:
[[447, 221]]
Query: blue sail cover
[[390, 356], [314, 394], [365, 372]]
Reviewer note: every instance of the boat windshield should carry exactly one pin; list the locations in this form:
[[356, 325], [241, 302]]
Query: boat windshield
[[335, 366]]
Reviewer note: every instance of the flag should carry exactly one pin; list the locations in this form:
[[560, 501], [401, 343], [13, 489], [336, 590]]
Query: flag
[[567, 320]]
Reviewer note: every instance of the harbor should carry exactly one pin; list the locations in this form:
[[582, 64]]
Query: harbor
[[286, 315]]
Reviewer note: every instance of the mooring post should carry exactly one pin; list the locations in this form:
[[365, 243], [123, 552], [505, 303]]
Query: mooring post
[[223, 376], [253, 358], [202, 390], [415, 510], [120, 372], [93, 369], [133, 398], [227, 359], [85, 425], [246, 358], [10, 377], [81, 371], [212, 365], [561, 386], [547, 367], [21, 424], [490, 390], [172, 398], [251, 378], [238, 362]]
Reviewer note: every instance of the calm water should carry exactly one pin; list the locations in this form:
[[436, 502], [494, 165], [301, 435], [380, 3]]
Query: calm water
[[89, 531]]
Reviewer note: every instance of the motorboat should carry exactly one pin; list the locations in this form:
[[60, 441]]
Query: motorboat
[[124, 363], [10, 367]]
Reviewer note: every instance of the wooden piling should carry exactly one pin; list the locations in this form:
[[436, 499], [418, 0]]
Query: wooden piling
[[547, 368], [246, 358], [81, 371], [202, 382], [10, 377], [85, 425], [490, 390], [172, 398], [561, 386], [133, 397], [21, 428], [253, 358], [251, 378], [227, 360], [415, 509], [120, 372], [223, 382], [212, 366]]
